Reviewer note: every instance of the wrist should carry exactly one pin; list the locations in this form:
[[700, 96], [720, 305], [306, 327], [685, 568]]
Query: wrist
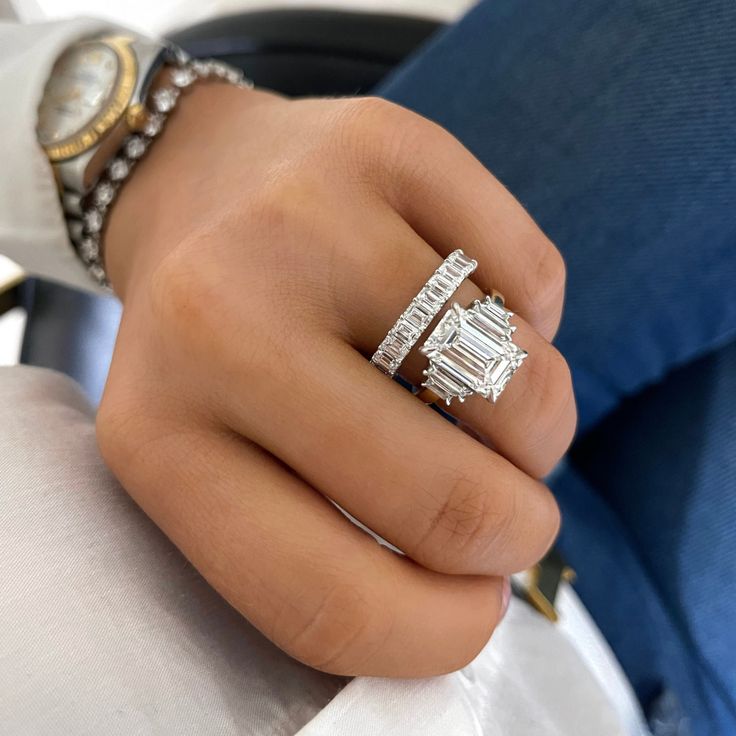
[[144, 223]]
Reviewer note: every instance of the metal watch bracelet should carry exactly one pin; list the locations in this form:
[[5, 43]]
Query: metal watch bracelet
[[86, 230]]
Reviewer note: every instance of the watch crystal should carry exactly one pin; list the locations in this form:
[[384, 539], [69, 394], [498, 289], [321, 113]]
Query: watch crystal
[[82, 81]]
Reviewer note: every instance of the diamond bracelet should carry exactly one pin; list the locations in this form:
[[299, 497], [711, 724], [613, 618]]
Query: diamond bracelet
[[86, 230]]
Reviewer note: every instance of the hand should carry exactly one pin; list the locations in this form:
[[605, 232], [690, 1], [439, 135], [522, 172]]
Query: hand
[[262, 250]]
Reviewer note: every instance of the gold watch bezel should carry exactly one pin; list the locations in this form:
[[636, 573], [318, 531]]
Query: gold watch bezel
[[114, 109]]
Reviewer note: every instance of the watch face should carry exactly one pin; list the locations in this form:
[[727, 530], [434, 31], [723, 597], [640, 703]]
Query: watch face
[[81, 83]]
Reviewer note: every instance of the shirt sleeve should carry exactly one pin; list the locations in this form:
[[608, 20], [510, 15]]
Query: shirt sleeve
[[32, 228]]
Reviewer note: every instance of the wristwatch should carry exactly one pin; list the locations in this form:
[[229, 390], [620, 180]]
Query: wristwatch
[[94, 98], [104, 103]]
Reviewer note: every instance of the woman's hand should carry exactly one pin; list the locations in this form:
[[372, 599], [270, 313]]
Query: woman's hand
[[262, 251]]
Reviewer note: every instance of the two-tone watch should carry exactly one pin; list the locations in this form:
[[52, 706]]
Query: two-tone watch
[[103, 104]]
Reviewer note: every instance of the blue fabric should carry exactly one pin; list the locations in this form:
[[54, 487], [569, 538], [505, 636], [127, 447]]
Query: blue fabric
[[652, 487], [615, 125]]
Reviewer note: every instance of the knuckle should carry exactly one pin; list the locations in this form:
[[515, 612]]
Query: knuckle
[[545, 285], [551, 419], [116, 424], [202, 324], [360, 127], [283, 203], [347, 628], [179, 293], [553, 274], [370, 114], [106, 432], [191, 299], [465, 524], [555, 523], [548, 520], [376, 135]]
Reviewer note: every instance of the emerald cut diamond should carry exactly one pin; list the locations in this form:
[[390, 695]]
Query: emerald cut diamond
[[471, 352]]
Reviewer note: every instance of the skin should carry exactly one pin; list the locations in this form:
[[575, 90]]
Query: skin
[[262, 250]]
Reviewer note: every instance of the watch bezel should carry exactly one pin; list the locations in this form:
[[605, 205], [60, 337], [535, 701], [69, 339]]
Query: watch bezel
[[114, 108]]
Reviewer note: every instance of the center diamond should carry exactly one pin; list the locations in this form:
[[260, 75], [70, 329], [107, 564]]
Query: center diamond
[[471, 351]]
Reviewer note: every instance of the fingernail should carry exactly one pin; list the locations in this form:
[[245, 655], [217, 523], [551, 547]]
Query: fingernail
[[505, 596]]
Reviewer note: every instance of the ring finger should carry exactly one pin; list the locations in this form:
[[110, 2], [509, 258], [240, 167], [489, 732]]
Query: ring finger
[[533, 422]]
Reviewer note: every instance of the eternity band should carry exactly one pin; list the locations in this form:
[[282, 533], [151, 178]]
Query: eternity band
[[425, 306]]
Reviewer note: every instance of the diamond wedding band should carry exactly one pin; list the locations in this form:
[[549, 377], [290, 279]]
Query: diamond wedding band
[[470, 351], [425, 306]]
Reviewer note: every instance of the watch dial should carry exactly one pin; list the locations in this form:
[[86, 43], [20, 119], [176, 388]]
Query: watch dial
[[81, 82]]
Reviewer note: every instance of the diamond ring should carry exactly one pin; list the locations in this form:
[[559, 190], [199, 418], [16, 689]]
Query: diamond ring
[[425, 306], [471, 352]]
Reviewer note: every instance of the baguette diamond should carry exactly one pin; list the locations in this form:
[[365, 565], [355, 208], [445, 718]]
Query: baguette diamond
[[410, 326], [471, 352]]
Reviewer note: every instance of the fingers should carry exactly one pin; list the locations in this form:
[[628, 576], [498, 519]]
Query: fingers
[[289, 561], [452, 201], [533, 422], [444, 499]]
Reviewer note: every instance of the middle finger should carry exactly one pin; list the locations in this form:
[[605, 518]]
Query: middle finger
[[444, 499]]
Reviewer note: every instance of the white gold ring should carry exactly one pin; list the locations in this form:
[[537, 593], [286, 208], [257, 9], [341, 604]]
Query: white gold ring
[[425, 306], [471, 352]]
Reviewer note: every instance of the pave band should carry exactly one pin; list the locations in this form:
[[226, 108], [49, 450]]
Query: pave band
[[425, 306]]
